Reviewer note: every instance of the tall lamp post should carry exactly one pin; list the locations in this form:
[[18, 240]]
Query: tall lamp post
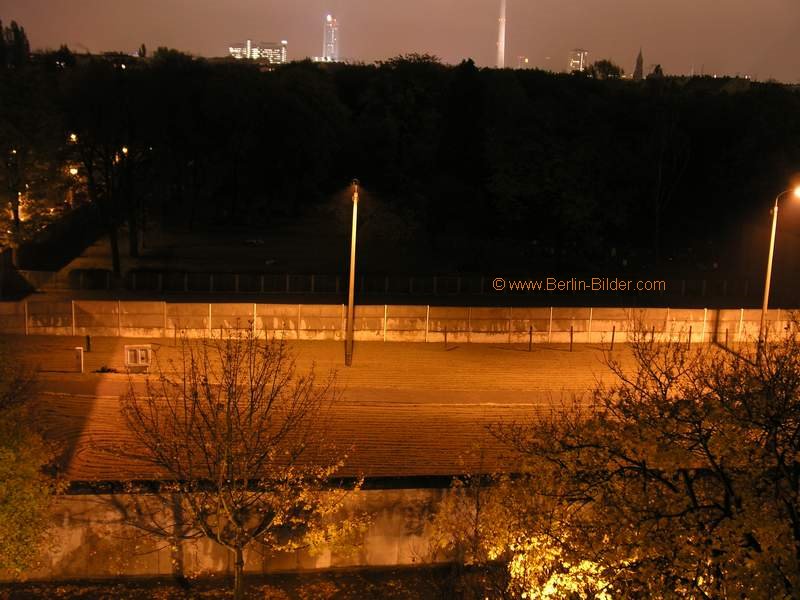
[[762, 328], [348, 343]]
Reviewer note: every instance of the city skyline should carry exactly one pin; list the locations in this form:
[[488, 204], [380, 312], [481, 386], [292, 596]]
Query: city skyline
[[682, 36]]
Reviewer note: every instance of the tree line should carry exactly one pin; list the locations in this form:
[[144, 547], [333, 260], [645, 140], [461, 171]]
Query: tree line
[[478, 163]]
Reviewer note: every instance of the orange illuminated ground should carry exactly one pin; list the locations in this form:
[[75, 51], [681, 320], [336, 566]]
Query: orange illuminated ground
[[406, 409]]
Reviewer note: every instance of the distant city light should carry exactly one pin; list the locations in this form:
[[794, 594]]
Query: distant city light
[[271, 52], [73, 137], [330, 43], [578, 60], [73, 171]]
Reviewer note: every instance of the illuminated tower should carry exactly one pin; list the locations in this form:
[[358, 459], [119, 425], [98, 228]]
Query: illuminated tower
[[501, 36], [330, 46], [578, 60]]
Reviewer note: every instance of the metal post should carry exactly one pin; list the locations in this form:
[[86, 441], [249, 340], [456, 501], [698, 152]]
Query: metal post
[[165, 318], [741, 325], [119, 318], [73, 317], [705, 319], [427, 320], [209, 320], [25, 304], [348, 347], [589, 333], [79, 359], [445, 337], [667, 328], [690, 336], [550, 326], [765, 303], [613, 335], [530, 338], [570, 337], [385, 315]]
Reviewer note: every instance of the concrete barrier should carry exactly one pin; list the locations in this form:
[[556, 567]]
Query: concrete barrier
[[389, 323], [106, 536]]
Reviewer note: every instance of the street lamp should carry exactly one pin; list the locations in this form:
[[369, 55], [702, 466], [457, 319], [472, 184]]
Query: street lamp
[[348, 343], [762, 328]]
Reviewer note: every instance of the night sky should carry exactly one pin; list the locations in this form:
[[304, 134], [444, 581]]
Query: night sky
[[754, 37]]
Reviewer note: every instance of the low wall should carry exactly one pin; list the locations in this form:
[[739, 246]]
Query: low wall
[[98, 537], [388, 323]]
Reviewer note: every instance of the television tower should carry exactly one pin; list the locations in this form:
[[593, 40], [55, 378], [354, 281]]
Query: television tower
[[501, 36], [330, 44]]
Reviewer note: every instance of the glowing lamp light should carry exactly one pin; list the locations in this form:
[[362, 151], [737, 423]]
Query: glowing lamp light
[[125, 150], [73, 137], [329, 18], [796, 192], [73, 171]]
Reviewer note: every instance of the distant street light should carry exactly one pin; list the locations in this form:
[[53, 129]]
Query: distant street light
[[762, 328], [348, 344]]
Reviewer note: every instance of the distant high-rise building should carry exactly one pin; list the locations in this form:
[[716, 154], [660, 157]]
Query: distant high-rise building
[[501, 36], [271, 52], [638, 71], [330, 44], [578, 60]]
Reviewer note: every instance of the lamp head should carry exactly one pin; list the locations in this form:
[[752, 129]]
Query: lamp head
[[796, 192]]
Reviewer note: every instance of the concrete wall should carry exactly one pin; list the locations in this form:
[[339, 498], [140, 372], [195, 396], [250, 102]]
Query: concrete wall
[[380, 322], [95, 537]]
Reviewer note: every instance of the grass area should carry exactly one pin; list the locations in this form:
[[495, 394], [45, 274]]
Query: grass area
[[419, 583]]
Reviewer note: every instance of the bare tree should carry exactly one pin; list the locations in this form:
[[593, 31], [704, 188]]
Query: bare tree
[[237, 437]]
